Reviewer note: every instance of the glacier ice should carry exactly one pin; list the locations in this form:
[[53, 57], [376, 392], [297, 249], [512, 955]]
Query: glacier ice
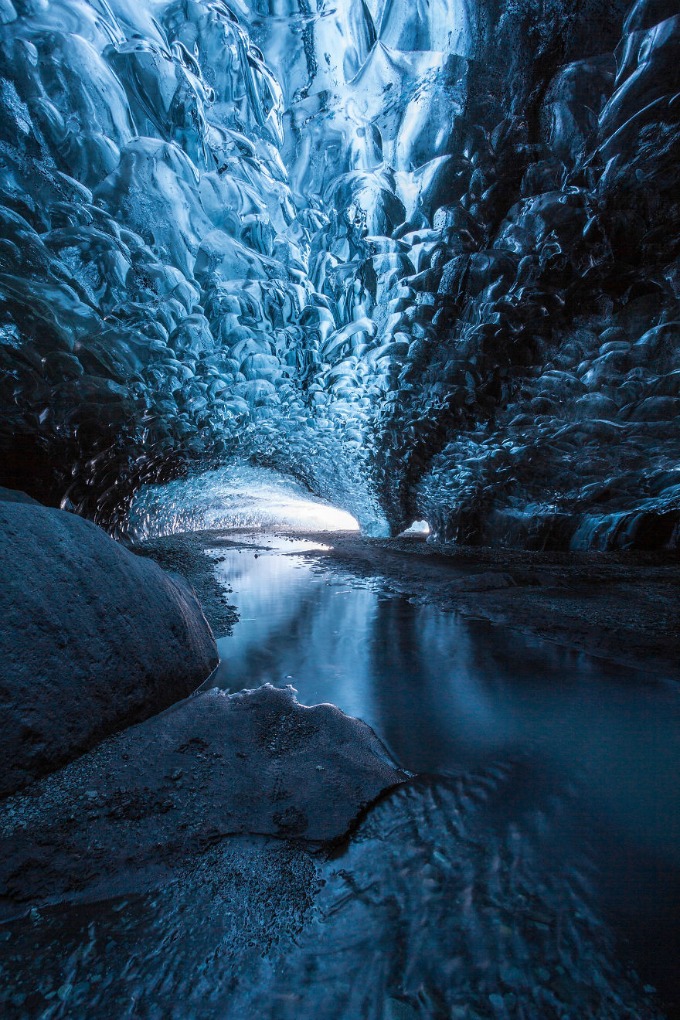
[[420, 256], [237, 496]]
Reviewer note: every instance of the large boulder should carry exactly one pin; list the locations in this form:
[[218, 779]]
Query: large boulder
[[145, 803], [92, 639], [16, 496]]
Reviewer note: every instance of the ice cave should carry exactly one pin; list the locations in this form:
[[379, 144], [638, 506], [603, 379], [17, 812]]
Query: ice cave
[[340, 509]]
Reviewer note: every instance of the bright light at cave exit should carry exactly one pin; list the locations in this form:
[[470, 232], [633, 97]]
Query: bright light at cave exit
[[238, 496], [306, 514], [418, 528]]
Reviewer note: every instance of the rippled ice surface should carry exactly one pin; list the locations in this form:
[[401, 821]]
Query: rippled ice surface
[[531, 872]]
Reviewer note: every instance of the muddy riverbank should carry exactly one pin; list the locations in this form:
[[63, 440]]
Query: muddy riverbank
[[622, 607]]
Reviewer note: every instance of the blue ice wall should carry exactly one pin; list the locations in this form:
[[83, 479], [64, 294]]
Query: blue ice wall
[[420, 256]]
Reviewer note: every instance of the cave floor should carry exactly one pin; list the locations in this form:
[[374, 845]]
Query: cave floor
[[625, 608], [525, 866], [553, 667], [622, 607]]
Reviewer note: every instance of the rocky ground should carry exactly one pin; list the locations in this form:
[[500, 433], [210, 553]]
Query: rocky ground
[[127, 814], [197, 864], [185, 554]]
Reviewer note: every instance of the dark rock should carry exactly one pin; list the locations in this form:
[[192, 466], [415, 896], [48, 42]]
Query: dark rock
[[186, 555], [92, 638], [215, 765], [15, 496]]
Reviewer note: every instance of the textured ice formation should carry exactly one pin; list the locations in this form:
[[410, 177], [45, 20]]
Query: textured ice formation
[[542, 406], [420, 256], [238, 496]]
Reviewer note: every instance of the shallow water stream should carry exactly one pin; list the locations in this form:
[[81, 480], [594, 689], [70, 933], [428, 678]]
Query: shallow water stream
[[531, 871], [452, 696]]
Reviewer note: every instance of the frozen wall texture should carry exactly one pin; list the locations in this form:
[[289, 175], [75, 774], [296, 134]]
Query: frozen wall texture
[[421, 255]]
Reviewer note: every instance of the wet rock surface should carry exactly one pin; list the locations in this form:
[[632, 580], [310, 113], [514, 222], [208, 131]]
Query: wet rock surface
[[444, 903], [92, 639], [213, 766]]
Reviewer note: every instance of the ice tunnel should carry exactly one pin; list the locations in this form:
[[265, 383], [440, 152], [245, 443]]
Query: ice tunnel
[[421, 257], [234, 497]]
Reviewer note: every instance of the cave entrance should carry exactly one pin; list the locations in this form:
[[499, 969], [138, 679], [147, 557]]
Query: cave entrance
[[238, 496], [416, 528]]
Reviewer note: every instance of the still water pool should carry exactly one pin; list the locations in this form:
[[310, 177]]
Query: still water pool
[[450, 696]]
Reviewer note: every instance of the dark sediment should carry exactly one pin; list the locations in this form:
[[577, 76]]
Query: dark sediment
[[185, 554], [624, 607], [175, 870], [430, 912], [141, 804], [620, 606]]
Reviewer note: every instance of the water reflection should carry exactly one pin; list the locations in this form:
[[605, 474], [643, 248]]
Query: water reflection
[[449, 695], [521, 881]]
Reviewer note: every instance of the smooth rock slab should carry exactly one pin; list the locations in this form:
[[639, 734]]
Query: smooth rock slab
[[92, 639], [215, 765]]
